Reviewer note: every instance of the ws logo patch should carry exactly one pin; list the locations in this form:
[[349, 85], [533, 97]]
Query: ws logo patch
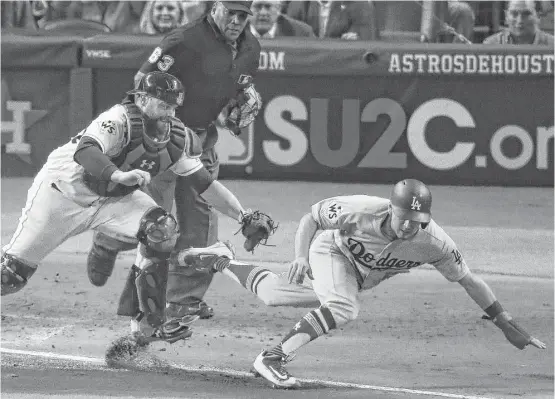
[[334, 211]]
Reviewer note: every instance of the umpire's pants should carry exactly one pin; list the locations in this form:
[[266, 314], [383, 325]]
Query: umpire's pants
[[198, 224]]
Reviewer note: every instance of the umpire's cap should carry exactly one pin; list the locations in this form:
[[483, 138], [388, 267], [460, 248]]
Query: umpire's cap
[[412, 200], [161, 85], [238, 6]]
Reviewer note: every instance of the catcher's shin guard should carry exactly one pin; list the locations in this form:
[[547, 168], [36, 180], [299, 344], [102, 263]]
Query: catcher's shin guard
[[144, 294], [151, 293], [128, 301]]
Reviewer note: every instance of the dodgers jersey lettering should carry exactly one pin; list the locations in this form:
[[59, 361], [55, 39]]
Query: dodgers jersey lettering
[[110, 130], [356, 223]]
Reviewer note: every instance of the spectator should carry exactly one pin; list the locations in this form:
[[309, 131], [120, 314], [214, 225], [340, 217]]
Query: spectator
[[423, 20], [348, 20], [89, 10], [160, 17], [267, 22], [17, 14], [460, 16], [522, 23], [195, 9], [119, 16], [124, 16], [546, 16], [45, 11], [207, 6]]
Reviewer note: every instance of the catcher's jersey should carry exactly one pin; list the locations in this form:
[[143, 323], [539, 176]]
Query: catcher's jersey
[[111, 131], [356, 221]]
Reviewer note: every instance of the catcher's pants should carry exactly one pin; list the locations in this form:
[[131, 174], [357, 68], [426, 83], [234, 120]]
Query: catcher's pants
[[160, 189], [49, 219], [335, 283]]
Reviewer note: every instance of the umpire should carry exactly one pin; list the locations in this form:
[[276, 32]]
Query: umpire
[[216, 59]]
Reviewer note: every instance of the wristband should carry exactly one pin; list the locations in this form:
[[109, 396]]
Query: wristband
[[494, 310], [503, 317]]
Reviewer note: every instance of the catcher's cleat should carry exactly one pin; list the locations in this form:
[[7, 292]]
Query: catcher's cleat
[[204, 259], [124, 351], [271, 367], [200, 309], [100, 264], [171, 331]]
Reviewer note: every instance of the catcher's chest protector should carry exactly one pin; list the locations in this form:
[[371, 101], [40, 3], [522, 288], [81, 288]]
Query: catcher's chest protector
[[136, 156]]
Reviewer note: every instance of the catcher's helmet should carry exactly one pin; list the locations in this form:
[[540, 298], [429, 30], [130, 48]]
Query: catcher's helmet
[[412, 200], [161, 85]]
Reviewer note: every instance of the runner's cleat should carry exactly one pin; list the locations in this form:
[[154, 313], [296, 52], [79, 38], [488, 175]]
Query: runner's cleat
[[271, 367], [204, 259]]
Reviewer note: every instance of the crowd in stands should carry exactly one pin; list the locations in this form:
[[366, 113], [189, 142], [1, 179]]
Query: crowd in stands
[[516, 22]]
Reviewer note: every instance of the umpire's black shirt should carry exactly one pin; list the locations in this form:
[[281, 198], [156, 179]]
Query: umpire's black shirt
[[211, 70]]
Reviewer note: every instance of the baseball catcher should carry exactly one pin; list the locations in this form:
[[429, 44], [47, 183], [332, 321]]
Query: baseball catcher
[[93, 182]]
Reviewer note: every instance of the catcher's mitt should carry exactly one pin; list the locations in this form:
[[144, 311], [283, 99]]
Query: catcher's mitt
[[256, 227]]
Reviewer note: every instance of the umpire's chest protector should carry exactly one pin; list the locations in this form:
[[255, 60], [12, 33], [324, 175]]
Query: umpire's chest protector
[[210, 73]]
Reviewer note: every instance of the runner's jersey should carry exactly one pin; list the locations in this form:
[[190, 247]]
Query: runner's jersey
[[356, 223]]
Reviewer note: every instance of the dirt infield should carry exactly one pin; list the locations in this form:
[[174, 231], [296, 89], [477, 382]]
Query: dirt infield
[[416, 333]]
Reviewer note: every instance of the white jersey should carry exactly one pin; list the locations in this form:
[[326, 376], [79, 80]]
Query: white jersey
[[110, 130], [356, 223]]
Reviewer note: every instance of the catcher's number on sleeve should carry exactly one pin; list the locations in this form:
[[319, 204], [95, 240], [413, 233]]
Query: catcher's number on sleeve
[[256, 227]]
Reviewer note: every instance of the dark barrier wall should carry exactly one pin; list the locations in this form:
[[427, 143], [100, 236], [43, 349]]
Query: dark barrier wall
[[376, 112], [36, 75]]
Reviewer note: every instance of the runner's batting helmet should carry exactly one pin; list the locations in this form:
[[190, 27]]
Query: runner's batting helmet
[[162, 86], [412, 200]]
